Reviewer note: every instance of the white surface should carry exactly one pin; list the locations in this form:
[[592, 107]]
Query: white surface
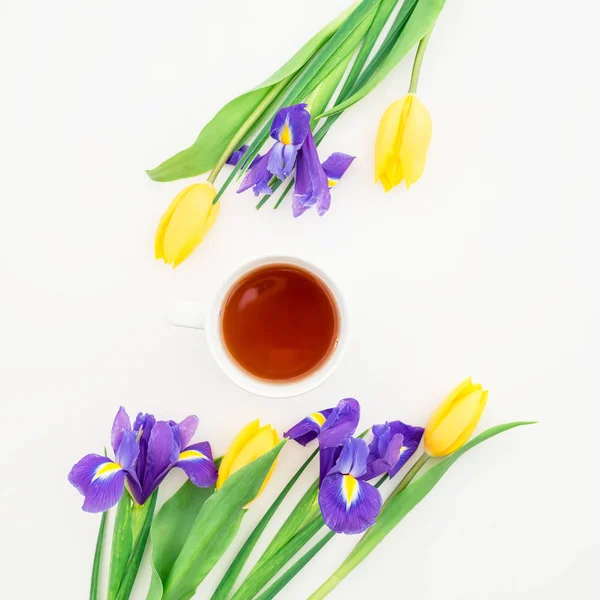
[[487, 267]]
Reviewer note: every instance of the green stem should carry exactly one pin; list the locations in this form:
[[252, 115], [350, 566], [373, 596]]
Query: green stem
[[222, 592], [410, 475], [97, 558], [416, 70], [239, 136], [145, 517]]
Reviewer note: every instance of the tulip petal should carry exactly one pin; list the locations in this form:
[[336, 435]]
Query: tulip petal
[[259, 444], [468, 432], [440, 412], [240, 440], [348, 505], [416, 136], [464, 414], [386, 139], [193, 218], [164, 223]]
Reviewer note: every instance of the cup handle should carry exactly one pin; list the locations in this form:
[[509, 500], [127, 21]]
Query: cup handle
[[187, 314]]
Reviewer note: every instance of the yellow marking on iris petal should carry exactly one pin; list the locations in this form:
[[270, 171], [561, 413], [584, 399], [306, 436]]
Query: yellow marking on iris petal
[[331, 182], [286, 135], [349, 489], [192, 455], [318, 418], [107, 469], [403, 449]]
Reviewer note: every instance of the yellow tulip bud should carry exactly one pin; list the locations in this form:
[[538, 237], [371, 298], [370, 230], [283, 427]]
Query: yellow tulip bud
[[186, 222], [402, 141], [455, 419], [249, 444]]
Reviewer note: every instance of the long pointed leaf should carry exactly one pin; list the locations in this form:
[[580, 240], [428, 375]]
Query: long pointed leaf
[[145, 515], [122, 545], [229, 579], [420, 22], [215, 527], [97, 558], [170, 530]]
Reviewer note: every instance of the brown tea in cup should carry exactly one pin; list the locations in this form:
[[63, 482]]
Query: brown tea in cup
[[279, 322]]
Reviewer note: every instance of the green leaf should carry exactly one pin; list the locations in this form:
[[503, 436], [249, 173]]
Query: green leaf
[[259, 577], [399, 506], [229, 579], [420, 22], [170, 530], [142, 515], [97, 558], [122, 545], [212, 141], [322, 94], [282, 581], [293, 523], [215, 527]]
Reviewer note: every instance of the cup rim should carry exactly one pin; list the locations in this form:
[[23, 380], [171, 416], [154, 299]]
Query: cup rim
[[247, 381]]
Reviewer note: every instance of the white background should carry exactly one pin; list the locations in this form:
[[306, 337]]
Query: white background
[[487, 267]]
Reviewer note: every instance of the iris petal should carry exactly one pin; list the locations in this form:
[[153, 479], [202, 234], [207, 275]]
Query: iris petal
[[340, 424], [353, 458], [312, 186], [163, 453], [197, 463], [120, 424], [291, 125], [308, 429], [187, 429], [348, 505], [128, 451], [258, 178], [336, 166], [100, 480]]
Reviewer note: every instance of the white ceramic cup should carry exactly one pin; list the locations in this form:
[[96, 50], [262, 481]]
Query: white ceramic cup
[[208, 318]]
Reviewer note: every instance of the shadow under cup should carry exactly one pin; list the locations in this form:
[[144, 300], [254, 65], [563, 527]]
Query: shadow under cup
[[280, 323]]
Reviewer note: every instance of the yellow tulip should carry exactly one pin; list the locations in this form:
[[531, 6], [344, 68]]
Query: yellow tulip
[[455, 419], [186, 222], [250, 443], [402, 141]]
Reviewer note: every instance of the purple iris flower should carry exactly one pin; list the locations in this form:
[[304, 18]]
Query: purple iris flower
[[392, 445], [349, 504], [309, 428], [144, 454], [290, 128], [332, 427]]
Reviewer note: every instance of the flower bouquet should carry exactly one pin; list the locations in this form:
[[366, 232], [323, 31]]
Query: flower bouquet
[[193, 529], [296, 107]]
